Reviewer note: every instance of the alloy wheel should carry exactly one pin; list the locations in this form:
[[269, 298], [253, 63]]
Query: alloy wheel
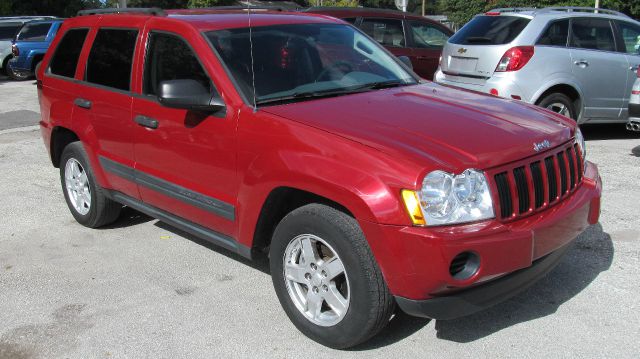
[[77, 184], [316, 280]]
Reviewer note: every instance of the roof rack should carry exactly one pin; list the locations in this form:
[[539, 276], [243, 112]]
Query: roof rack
[[559, 8], [583, 9], [155, 11], [242, 7], [514, 9]]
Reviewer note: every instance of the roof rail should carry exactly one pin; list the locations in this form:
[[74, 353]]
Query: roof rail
[[514, 9], [114, 10], [582, 9], [242, 7]]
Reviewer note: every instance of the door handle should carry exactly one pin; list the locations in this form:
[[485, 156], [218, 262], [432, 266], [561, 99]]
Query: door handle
[[145, 121], [80, 102], [581, 63]]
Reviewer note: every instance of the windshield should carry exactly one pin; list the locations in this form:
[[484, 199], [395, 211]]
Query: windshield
[[296, 62], [8, 30]]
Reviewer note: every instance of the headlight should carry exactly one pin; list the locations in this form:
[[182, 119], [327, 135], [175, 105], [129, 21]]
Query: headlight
[[581, 144], [448, 199]]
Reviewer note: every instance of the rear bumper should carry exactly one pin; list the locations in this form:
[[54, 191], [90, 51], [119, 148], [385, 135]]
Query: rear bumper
[[416, 261], [478, 298], [505, 84]]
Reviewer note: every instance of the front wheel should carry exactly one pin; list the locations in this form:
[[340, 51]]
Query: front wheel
[[326, 277], [559, 103]]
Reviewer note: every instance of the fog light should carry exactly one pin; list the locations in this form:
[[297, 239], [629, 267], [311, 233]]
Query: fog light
[[464, 266]]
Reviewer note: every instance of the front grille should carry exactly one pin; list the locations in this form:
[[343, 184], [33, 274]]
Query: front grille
[[533, 185]]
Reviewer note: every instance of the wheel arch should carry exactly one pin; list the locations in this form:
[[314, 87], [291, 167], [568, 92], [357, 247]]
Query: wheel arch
[[280, 202], [60, 138], [565, 87]]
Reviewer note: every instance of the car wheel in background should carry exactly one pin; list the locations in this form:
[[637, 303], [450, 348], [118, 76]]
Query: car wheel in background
[[16, 75], [5, 65], [326, 278], [559, 103], [86, 199]]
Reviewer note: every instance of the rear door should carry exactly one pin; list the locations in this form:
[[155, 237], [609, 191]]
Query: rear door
[[629, 38], [390, 33], [601, 71], [426, 41], [472, 54], [104, 100]]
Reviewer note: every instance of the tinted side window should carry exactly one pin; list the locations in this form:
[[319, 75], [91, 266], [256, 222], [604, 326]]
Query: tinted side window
[[65, 59], [388, 32], [490, 30], [427, 36], [111, 58], [556, 34], [34, 32], [170, 58], [630, 37], [8, 31], [592, 34]]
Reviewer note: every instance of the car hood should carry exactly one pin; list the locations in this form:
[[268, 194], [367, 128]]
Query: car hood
[[450, 128]]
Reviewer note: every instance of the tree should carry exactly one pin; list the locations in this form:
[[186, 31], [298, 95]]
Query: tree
[[45, 7]]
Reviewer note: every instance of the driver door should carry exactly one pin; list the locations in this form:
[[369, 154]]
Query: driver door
[[185, 160]]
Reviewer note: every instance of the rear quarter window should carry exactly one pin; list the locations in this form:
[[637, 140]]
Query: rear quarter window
[[34, 32], [490, 30], [556, 34], [65, 58]]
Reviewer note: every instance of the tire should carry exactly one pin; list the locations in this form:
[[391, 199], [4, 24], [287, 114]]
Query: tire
[[367, 302], [80, 185], [559, 103], [5, 65], [17, 76]]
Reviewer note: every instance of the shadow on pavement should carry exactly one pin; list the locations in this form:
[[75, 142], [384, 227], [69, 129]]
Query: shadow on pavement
[[128, 217], [592, 253], [613, 131], [260, 263], [636, 151]]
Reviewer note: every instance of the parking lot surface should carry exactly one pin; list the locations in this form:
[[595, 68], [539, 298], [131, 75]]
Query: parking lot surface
[[140, 288]]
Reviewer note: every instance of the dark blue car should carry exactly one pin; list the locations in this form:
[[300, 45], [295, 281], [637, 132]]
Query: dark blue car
[[29, 47]]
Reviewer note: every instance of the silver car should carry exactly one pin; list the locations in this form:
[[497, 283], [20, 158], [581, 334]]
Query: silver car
[[580, 62], [9, 27]]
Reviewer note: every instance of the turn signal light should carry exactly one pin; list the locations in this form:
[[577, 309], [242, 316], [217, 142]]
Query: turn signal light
[[515, 58], [15, 51], [412, 203]]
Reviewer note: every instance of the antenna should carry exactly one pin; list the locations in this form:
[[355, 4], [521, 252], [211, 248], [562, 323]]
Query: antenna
[[253, 72]]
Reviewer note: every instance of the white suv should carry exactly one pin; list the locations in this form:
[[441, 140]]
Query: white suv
[[580, 62], [9, 27]]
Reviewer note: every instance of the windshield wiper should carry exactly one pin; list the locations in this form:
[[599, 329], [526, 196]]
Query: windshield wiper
[[333, 92]]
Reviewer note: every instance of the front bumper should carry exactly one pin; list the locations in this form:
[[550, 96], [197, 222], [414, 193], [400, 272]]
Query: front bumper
[[415, 261], [478, 298]]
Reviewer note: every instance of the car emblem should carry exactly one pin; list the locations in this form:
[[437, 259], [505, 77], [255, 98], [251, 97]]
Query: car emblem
[[541, 145], [462, 50]]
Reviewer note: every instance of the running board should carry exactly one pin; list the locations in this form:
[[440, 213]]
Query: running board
[[197, 230]]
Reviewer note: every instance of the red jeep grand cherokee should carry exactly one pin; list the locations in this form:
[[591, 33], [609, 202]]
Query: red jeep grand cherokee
[[298, 136]]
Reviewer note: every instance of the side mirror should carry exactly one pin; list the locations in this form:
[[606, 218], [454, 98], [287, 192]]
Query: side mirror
[[405, 60], [189, 95]]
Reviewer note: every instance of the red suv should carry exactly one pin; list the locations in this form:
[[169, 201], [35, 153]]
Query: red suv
[[403, 34], [297, 136]]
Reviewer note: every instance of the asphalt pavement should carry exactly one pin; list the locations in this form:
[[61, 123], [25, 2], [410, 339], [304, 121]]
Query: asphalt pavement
[[142, 289]]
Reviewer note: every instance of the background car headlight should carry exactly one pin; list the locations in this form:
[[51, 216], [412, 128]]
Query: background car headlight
[[581, 145], [448, 199]]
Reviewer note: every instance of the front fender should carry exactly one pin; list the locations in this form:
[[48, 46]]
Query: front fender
[[280, 153]]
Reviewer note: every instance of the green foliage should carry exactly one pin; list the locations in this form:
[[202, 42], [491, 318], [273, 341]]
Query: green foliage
[[45, 7]]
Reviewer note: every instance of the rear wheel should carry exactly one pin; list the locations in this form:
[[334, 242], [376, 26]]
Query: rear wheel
[[559, 103], [87, 201], [326, 278], [17, 75]]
